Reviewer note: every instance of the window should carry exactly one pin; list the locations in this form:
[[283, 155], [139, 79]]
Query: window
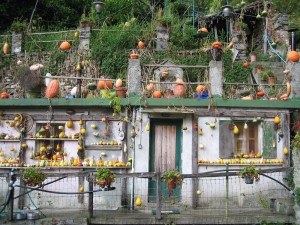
[[246, 141]]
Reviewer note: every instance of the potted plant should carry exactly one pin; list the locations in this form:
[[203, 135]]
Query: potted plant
[[269, 76], [249, 173], [18, 26], [33, 176], [172, 177], [104, 177]]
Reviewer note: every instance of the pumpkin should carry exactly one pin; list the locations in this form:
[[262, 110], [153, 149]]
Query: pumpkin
[[165, 73], [4, 95], [134, 56], [52, 89], [200, 88], [293, 56], [156, 94], [69, 124], [104, 84], [260, 93], [179, 90], [245, 64], [150, 86], [216, 44], [65, 45], [5, 48], [203, 29], [119, 83], [179, 81], [141, 45]]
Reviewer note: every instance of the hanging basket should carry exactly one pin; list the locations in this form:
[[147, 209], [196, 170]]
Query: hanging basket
[[248, 180]]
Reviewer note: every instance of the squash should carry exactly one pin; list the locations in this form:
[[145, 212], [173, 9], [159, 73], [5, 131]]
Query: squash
[[134, 56], [277, 120], [260, 93], [200, 88], [179, 90], [104, 84], [5, 48], [36, 66], [76, 34], [4, 95], [52, 89], [156, 94], [179, 81], [70, 124], [288, 92], [245, 64], [119, 83], [150, 86], [165, 73], [65, 45], [141, 45], [203, 29], [293, 56], [216, 44]]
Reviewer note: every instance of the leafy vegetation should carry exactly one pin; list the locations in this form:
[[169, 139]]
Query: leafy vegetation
[[33, 176]]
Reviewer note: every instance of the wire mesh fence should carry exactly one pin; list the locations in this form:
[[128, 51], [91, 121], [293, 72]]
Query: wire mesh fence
[[225, 194]]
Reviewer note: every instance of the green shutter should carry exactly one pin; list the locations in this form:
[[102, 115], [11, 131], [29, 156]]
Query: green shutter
[[226, 140], [269, 140]]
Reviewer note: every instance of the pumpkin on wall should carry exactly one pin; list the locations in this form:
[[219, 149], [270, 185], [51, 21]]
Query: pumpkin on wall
[[52, 89], [179, 88], [293, 56]]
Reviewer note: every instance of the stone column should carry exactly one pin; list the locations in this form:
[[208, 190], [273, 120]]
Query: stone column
[[216, 78], [84, 39], [134, 77], [16, 42], [294, 69], [162, 37]]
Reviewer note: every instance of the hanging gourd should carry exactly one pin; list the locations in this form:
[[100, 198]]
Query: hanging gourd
[[65, 45], [70, 124], [52, 89], [5, 48], [277, 120], [293, 56], [141, 45]]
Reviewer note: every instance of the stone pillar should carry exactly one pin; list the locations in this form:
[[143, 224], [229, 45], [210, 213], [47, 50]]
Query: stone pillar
[[134, 77], [216, 78], [84, 39], [294, 69], [162, 37], [16, 42]]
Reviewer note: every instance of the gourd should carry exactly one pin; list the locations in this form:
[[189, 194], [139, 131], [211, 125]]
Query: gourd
[[52, 89], [245, 64], [119, 83], [216, 44], [5, 48], [277, 120], [92, 86], [200, 88], [104, 84], [150, 86], [70, 124], [203, 29], [288, 91], [4, 95], [65, 45], [293, 56], [156, 94], [141, 45], [134, 56]]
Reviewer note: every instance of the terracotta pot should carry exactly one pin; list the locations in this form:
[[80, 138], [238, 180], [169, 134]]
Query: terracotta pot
[[253, 58], [121, 92], [171, 184], [179, 90], [272, 80]]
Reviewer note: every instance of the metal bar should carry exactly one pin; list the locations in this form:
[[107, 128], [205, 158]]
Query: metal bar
[[10, 205], [227, 190], [91, 197], [181, 66], [158, 197]]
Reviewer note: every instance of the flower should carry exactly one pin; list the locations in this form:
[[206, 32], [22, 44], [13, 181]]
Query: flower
[[250, 171]]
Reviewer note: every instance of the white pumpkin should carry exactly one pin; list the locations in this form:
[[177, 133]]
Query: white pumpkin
[[74, 90]]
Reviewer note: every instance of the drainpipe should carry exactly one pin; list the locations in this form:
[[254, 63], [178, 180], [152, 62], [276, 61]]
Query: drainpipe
[[133, 160]]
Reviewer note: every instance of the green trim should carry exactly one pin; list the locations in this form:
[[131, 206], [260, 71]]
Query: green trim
[[151, 102]]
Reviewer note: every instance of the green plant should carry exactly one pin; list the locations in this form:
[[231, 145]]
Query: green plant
[[115, 103], [267, 73], [165, 21], [241, 24], [18, 26], [104, 177], [172, 175], [295, 143], [289, 179], [33, 176], [297, 195], [250, 171]]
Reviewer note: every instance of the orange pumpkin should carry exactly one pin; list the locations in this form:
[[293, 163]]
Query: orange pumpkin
[[216, 44], [104, 84], [200, 88], [150, 86], [5, 48], [245, 64], [293, 56], [165, 73], [119, 83], [134, 56], [4, 95], [203, 29], [65, 45], [179, 90], [52, 89], [141, 45], [156, 94]]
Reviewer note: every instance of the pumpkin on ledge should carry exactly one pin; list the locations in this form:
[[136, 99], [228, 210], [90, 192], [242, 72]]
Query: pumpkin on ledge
[[179, 88]]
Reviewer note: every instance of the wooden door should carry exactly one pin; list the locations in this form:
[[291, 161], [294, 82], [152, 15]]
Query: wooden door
[[165, 151]]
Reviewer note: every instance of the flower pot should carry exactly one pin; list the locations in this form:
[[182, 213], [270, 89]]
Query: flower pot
[[253, 58], [248, 180], [272, 80], [121, 92], [171, 184]]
